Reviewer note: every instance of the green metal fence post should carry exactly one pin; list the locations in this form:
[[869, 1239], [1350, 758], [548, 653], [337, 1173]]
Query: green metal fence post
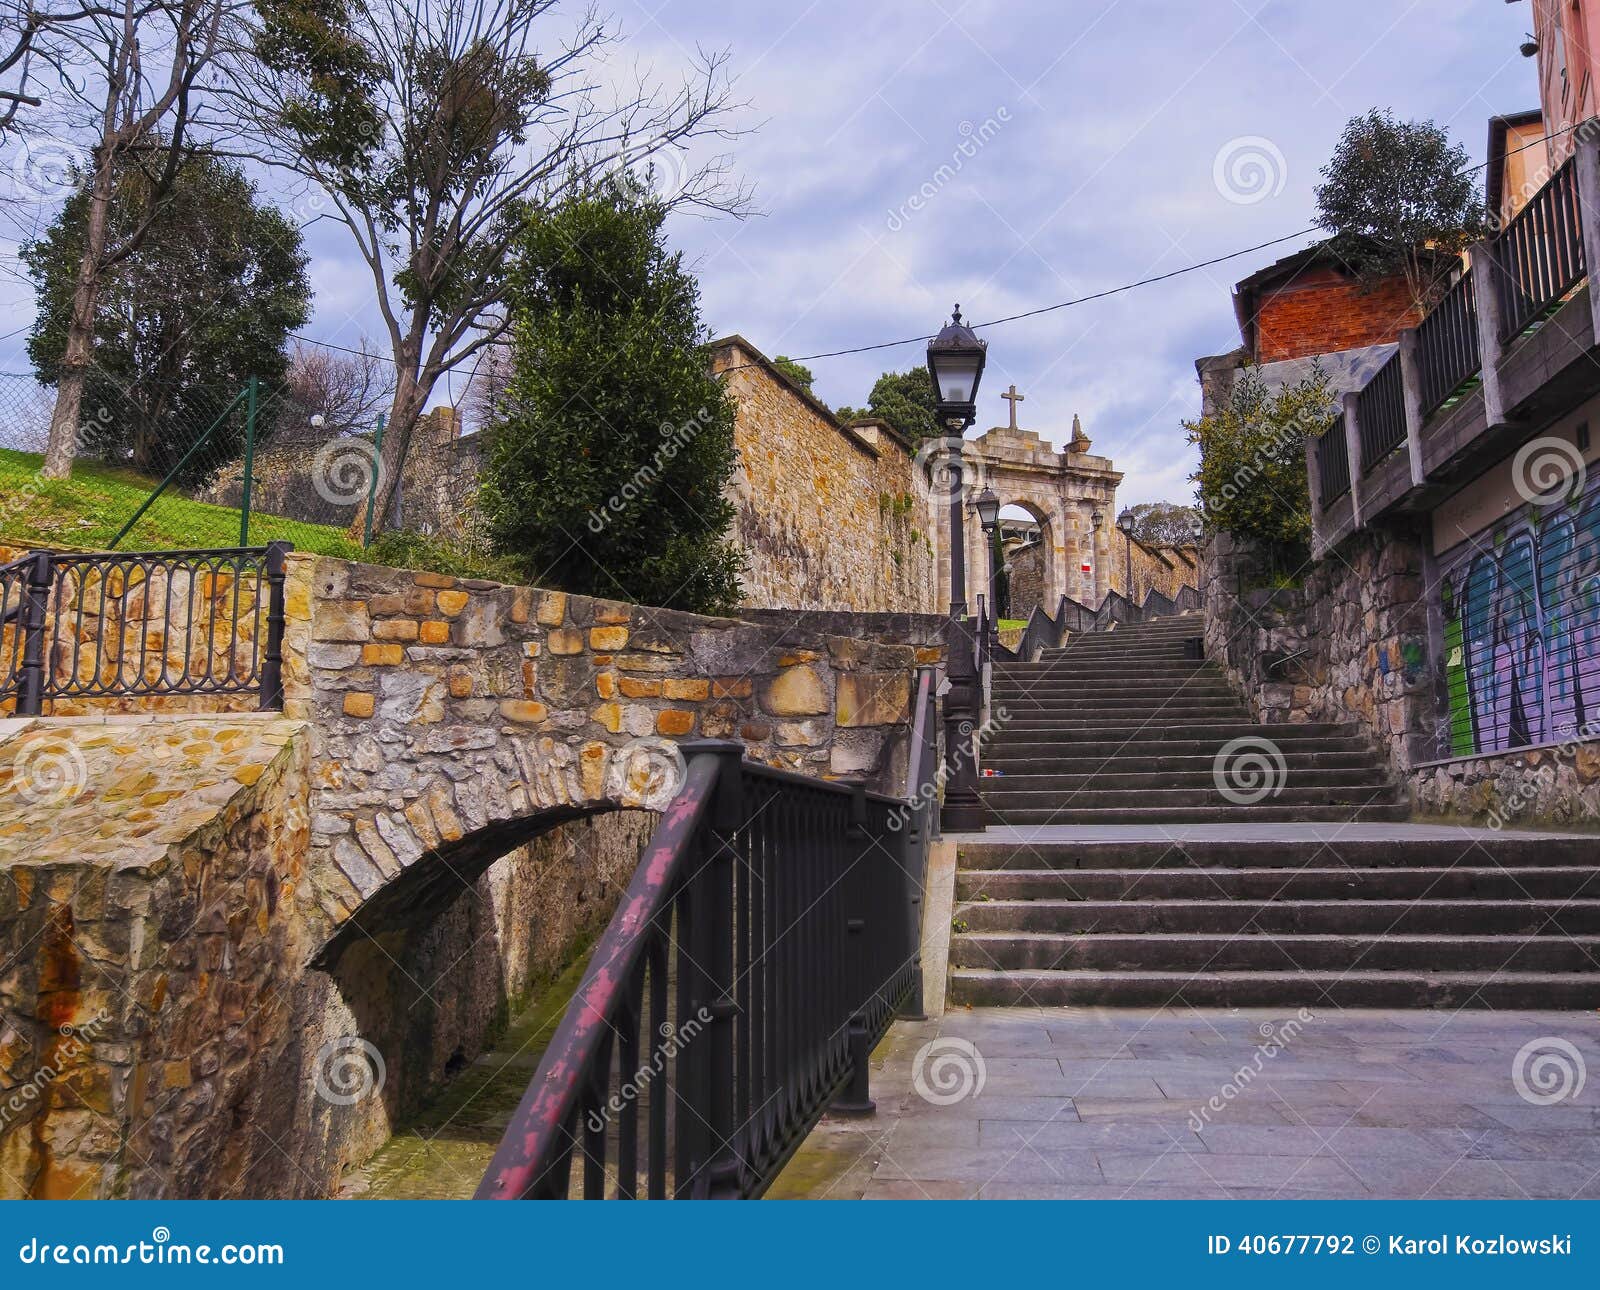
[[251, 391], [372, 484]]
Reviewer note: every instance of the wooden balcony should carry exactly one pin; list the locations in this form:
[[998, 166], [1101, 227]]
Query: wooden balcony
[[1509, 348]]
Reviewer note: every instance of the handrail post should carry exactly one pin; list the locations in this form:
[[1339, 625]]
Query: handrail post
[[275, 567], [854, 1099], [1352, 448], [1411, 396], [35, 611], [1586, 175], [1486, 298], [721, 1171], [252, 390], [963, 808]]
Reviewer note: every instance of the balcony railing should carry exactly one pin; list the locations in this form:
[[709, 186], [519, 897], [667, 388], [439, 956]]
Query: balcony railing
[[1447, 345], [1524, 274], [1333, 463], [1540, 254], [1381, 414]]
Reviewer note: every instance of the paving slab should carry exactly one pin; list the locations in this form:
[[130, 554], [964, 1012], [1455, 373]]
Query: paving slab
[[1105, 1103]]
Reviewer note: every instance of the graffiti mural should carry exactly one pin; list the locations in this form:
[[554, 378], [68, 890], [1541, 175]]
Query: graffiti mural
[[1522, 628]]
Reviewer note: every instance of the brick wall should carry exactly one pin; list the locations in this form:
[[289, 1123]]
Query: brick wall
[[1324, 310]]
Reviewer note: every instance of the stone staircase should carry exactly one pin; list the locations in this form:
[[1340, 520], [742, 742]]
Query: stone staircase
[[1121, 728], [1187, 875]]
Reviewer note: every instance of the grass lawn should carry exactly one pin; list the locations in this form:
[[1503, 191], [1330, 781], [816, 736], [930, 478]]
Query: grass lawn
[[88, 510]]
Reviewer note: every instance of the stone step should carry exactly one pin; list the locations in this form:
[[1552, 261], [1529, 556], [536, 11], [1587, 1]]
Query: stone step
[[1122, 686], [1202, 952], [1119, 775], [1507, 849], [1266, 917], [1178, 701], [1337, 882], [1263, 814], [1059, 749], [1000, 793], [1112, 729], [1358, 989], [1116, 761]]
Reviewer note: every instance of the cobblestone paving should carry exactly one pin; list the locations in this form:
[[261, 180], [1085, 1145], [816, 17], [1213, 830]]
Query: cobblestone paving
[[1076, 1103]]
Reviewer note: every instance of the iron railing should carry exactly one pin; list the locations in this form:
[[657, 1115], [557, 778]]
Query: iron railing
[[1448, 355], [1381, 414], [119, 625], [764, 944], [1333, 463], [1539, 257], [1044, 631]]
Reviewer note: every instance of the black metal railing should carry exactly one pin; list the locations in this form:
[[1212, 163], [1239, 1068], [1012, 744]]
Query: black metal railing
[[765, 943], [123, 625], [1333, 463], [1381, 414], [1044, 631], [1448, 355], [1539, 257]]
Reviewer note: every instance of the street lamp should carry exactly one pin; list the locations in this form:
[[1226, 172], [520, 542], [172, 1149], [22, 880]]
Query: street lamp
[[955, 363], [1125, 523]]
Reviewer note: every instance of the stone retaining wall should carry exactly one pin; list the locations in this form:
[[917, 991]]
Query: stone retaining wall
[[1350, 643]]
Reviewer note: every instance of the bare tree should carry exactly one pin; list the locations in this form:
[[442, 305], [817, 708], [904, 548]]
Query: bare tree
[[468, 121], [347, 391], [136, 79]]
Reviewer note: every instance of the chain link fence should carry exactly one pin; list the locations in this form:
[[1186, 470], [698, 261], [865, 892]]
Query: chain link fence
[[206, 467]]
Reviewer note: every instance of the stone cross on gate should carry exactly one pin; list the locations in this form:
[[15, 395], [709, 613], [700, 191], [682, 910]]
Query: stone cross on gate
[[1013, 398]]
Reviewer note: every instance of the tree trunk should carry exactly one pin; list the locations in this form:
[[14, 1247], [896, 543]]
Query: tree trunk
[[406, 407], [62, 446]]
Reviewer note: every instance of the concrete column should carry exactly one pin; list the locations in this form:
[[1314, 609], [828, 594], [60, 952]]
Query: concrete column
[[1319, 542], [1486, 299], [1352, 440], [1586, 162], [1411, 389]]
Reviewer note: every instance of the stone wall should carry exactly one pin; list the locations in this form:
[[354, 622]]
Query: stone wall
[[1028, 578], [322, 482], [1557, 785], [1167, 569], [829, 516], [1350, 643]]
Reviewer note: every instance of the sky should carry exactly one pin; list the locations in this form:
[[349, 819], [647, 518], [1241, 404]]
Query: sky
[[909, 154]]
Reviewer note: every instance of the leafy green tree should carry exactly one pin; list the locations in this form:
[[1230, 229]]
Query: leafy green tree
[[1165, 523], [1252, 476], [1399, 197], [206, 301], [799, 373], [905, 400], [607, 467]]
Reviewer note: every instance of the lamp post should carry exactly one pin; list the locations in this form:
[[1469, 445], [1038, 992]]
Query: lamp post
[[987, 506], [1125, 523], [1097, 521], [955, 362]]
